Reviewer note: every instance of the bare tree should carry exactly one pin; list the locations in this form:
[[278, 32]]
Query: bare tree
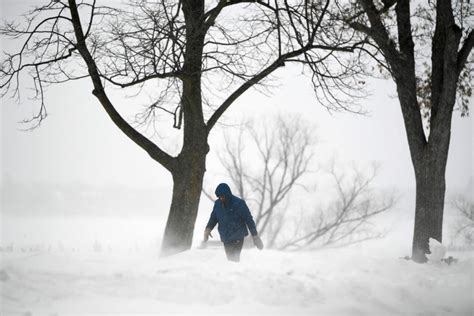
[[192, 58], [347, 218], [428, 79], [464, 225], [266, 181], [265, 163]]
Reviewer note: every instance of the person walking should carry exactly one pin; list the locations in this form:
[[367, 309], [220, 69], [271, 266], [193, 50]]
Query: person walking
[[234, 222]]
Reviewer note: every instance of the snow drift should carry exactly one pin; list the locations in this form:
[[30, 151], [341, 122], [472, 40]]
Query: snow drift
[[203, 282]]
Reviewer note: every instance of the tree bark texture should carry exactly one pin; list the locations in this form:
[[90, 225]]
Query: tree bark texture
[[429, 154], [187, 185], [189, 172], [430, 192]]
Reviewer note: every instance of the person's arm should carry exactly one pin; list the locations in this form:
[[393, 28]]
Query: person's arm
[[247, 216], [212, 221], [210, 225]]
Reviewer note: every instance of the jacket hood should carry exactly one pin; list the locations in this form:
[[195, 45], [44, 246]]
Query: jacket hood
[[224, 190]]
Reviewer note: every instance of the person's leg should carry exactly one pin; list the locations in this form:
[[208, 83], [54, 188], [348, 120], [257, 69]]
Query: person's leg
[[233, 249]]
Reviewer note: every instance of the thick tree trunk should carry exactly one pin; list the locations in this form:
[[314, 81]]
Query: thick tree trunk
[[187, 185], [191, 163], [430, 170], [429, 161], [429, 158], [430, 192]]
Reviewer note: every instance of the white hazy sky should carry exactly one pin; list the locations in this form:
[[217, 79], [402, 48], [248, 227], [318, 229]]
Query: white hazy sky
[[78, 143]]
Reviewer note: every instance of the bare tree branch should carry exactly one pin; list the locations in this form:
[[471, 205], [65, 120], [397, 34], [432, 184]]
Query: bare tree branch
[[463, 235], [346, 220], [284, 155], [153, 150], [465, 51]]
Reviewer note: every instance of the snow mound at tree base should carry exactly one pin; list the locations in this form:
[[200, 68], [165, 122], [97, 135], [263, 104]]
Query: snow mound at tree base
[[203, 282], [437, 251]]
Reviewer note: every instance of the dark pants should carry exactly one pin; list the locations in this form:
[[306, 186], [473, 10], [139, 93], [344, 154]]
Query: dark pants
[[233, 249]]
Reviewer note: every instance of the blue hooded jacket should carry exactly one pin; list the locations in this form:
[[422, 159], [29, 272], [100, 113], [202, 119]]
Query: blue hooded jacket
[[233, 218]]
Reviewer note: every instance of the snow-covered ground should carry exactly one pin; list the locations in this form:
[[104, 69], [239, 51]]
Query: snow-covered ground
[[354, 281], [73, 265]]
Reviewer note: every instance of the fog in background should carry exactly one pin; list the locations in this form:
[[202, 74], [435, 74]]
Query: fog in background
[[78, 168]]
